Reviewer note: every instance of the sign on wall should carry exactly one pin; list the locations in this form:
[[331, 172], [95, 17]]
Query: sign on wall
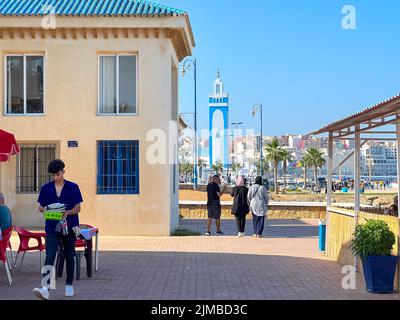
[[72, 144]]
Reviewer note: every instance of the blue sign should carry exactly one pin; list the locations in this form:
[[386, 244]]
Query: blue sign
[[72, 144]]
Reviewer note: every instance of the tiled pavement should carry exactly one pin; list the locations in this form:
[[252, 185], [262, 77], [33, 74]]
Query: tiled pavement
[[284, 265]]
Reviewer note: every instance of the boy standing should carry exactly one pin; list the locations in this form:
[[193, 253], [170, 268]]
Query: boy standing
[[68, 194]]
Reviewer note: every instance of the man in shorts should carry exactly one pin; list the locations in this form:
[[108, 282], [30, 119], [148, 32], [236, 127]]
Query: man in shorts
[[214, 195]]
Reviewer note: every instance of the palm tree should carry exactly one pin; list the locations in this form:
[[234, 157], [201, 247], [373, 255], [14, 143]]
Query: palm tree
[[305, 162], [317, 161], [185, 168], [181, 168], [218, 167], [286, 157], [265, 166], [274, 155], [235, 167]]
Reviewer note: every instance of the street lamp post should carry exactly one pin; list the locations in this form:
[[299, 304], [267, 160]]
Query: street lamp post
[[187, 65], [236, 124], [259, 107]]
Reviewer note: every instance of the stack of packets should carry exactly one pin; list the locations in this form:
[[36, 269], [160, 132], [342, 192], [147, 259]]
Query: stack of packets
[[56, 207]]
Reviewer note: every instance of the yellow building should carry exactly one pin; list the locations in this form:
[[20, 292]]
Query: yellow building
[[89, 82]]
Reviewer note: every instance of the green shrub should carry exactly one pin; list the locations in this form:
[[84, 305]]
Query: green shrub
[[373, 239]]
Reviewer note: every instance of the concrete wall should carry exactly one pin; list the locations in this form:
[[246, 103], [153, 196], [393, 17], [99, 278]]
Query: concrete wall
[[71, 94]]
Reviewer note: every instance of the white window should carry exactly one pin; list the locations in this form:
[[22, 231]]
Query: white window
[[24, 89], [117, 84]]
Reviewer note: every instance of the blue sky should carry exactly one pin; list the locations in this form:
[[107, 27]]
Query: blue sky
[[295, 57]]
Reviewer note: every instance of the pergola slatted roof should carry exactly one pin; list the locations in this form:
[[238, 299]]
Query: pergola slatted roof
[[387, 108]]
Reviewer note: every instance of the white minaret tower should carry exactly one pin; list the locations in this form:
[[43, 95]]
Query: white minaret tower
[[219, 123]]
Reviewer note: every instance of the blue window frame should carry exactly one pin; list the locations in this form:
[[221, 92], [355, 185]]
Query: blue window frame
[[118, 167]]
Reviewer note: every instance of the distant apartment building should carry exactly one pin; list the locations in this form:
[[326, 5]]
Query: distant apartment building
[[312, 143], [283, 140], [379, 159], [295, 141]]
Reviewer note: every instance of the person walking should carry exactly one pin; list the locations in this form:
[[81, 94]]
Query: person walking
[[240, 206], [258, 200], [394, 209], [63, 193], [214, 194]]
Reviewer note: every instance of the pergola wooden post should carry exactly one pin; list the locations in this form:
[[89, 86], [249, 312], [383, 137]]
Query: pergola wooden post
[[357, 182], [329, 186], [398, 189]]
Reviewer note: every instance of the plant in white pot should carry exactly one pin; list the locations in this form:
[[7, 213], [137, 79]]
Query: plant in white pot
[[373, 242]]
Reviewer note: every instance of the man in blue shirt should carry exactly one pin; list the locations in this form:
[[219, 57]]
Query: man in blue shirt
[[5, 215], [68, 194]]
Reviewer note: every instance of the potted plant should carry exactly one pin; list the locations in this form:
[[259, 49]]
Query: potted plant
[[373, 243]]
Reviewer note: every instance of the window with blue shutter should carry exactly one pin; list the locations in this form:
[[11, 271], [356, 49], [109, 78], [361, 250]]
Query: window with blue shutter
[[118, 167]]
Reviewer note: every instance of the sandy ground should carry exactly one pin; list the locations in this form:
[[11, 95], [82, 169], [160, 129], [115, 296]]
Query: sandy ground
[[190, 195], [381, 199]]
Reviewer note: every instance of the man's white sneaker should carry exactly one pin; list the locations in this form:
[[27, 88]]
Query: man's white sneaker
[[69, 291], [41, 293], [239, 234]]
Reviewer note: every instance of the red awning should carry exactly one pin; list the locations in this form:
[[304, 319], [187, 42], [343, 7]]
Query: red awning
[[8, 146]]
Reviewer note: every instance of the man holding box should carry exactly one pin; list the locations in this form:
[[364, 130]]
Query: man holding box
[[65, 194]]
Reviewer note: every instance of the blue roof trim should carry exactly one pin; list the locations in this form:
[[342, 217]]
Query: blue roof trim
[[86, 8]]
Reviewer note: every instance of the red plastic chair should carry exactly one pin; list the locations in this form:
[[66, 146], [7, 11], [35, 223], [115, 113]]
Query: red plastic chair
[[24, 237], [11, 253], [4, 243]]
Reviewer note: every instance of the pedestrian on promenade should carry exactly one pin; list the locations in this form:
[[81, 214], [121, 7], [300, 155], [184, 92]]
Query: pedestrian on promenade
[[63, 194], [240, 206], [214, 194], [394, 209], [258, 200]]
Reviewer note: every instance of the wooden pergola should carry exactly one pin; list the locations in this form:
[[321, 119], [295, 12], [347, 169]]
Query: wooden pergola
[[380, 122]]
